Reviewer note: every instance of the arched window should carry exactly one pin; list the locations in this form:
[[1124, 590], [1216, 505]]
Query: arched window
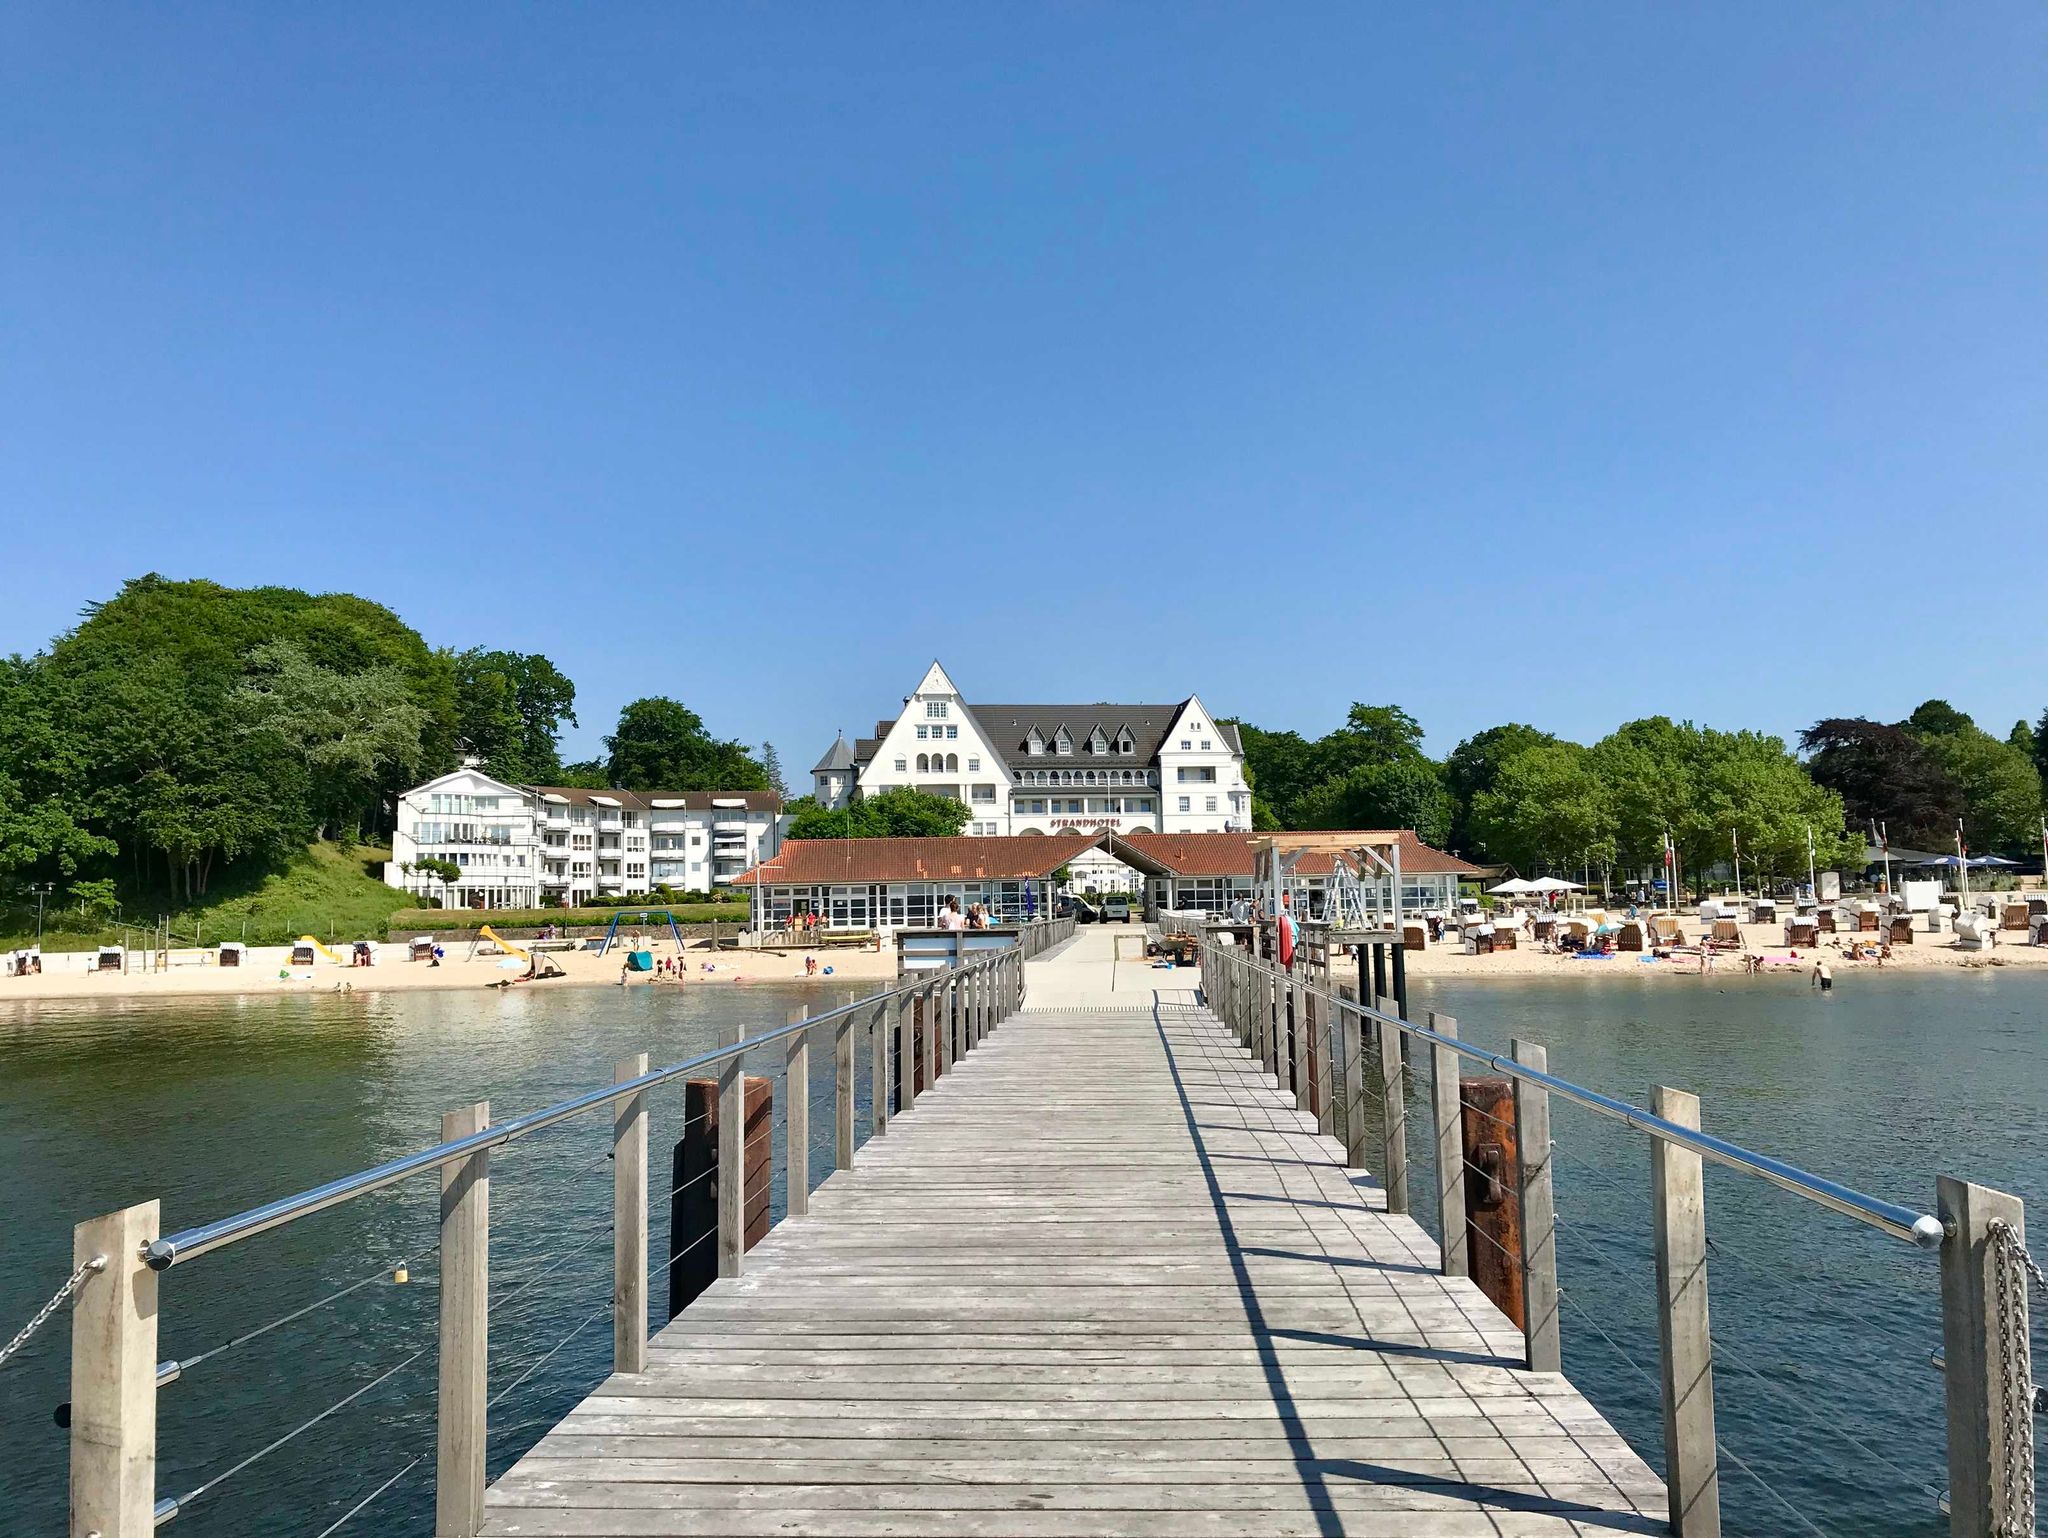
[[924, 763], [952, 763]]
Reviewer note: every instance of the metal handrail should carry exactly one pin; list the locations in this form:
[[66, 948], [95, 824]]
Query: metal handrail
[[1909, 1224], [190, 1243]]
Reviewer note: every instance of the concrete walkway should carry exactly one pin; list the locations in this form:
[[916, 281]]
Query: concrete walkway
[[1102, 1280]]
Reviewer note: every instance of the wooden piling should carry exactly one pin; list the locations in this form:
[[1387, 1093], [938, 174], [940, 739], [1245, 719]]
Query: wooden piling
[[1493, 1213], [698, 1208], [842, 1093]]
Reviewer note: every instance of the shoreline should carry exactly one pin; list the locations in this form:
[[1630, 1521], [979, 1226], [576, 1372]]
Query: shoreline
[[266, 969], [1928, 953]]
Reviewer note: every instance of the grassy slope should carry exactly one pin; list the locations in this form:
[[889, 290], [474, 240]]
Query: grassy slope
[[326, 890]]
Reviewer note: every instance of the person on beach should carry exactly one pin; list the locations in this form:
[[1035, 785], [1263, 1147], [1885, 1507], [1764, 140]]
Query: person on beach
[[1823, 975]]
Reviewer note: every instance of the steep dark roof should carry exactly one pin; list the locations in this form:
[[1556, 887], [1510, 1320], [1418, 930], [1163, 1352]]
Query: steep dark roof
[[838, 756], [1008, 730]]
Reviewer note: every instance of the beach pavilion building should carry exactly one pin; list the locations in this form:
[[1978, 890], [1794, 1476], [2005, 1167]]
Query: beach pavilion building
[[892, 883]]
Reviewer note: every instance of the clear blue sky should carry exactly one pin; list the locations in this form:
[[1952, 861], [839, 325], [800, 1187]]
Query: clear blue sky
[[1561, 363]]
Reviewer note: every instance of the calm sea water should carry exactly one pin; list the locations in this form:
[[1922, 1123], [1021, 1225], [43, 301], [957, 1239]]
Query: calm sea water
[[1823, 1328]]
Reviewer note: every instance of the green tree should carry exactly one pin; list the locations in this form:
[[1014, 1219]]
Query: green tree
[[352, 732], [902, 812], [1546, 806], [510, 709], [1473, 768], [43, 775], [1752, 786], [2001, 790], [1282, 767], [2041, 747], [1407, 792], [662, 744], [1887, 775], [1937, 718], [1648, 768], [771, 765]]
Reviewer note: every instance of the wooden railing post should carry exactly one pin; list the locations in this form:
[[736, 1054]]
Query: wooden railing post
[[113, 1378], [1393, 1112], [732, 1159], [1351, 1079], [796, 1117], [465, 1330], [906, 1055], [629, 1220], [1985, 1398], [1449, 1125], [878, 1069], [928, 1001], [1684, 1335], [1539, 1213], [942, 1018], [842, 1093]]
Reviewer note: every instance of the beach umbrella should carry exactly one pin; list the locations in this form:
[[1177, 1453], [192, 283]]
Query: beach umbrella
[[1553, 884], [1979, 861], [1514, 886]]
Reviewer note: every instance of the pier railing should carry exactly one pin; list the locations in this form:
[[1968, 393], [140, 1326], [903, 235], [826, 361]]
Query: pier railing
[[1343, 1054], [914, 1033]]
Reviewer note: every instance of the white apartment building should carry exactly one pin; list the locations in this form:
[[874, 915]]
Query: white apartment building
[[1051, 768], [533, 846]]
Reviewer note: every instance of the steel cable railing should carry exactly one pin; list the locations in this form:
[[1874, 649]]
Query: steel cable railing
[[961, 1001], [1272, 1012]]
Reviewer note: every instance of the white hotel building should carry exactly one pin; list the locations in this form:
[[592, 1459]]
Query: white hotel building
[[534, 846], [1051, 768]]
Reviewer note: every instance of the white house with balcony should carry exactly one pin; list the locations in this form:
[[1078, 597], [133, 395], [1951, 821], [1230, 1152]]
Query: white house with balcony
[[530, 846], [1051, 768]]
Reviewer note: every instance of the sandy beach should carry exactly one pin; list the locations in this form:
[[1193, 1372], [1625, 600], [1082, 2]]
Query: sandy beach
[[267, 969], [1928, 952]]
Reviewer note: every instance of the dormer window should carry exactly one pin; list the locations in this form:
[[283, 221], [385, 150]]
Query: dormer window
[[1063, 744], [1097, 743], [1034, 744]]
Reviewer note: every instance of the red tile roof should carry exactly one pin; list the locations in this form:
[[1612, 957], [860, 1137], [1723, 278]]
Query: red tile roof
[[823, 861], [1231, 854]]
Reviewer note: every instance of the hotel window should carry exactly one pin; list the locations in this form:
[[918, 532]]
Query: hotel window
[[1203, 775], [924, 763], [974, 766], [952, 731], [1097, 743], [1063, 744], [1186, 746], [1185, 804], [902, 765], [935, 710], [1207, 745], [921, 733], [984, 792], [1208, 803]]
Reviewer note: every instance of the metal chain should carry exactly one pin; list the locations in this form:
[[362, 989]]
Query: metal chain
[[85, 1269], [2016, 1378]]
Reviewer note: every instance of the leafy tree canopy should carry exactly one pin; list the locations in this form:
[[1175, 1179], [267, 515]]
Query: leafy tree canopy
[[1937, 718], [902, 812], [1473, 768], [1885, 774], [511, 707], [662, 744]]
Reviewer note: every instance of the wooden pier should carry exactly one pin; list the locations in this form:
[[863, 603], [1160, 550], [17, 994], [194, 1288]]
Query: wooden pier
[[1103, 1279]]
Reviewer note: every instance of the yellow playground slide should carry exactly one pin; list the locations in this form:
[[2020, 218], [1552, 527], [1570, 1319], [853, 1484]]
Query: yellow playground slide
[[323, 950], [490, 934]]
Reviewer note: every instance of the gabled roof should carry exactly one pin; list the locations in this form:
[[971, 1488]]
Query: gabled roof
[[665, 800], [1007, 729], [837, 757], [1231, 854]]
